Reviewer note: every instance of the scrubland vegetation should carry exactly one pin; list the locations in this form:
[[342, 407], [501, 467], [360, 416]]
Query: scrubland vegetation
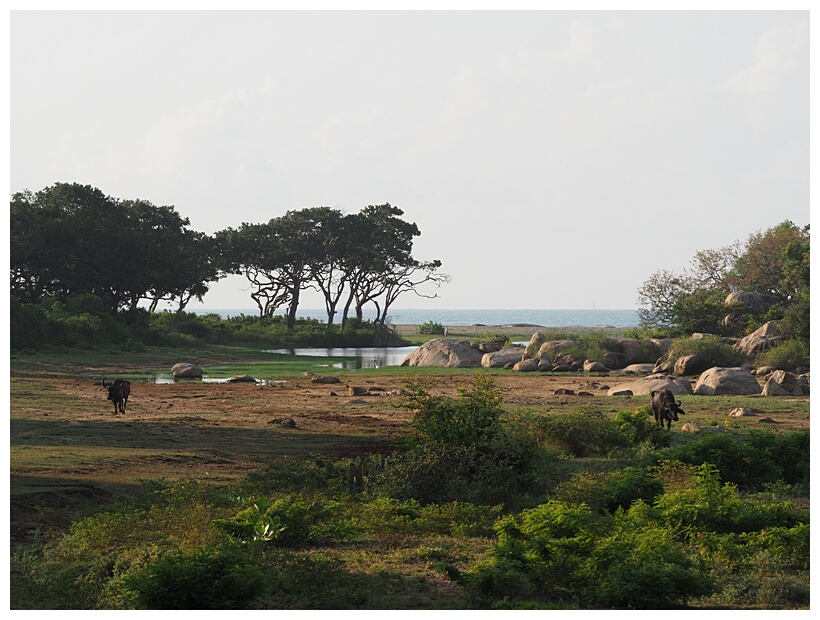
[[478, 505]]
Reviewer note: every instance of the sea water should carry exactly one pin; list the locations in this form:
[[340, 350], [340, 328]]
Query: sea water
[[589, 317]]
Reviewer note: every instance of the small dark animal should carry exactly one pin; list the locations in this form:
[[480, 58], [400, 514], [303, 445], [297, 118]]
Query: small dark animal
[[665, 408], [118, 393]]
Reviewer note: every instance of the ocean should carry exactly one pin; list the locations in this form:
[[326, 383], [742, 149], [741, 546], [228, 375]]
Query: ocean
[[590, 317]]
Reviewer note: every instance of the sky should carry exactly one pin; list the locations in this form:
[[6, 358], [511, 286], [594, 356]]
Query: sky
[[551, 159]]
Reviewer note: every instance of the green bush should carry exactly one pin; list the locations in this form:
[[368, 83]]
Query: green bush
[[566, 554], [580, 433], [610, 490], [751, 463], [788, 355], [202, 579], [430, 327], [710, 348]]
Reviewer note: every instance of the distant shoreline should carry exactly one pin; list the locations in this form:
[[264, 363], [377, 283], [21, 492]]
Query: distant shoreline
[[405, 329]]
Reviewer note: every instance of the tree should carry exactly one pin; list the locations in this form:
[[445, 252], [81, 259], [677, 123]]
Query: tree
[[774, 262]]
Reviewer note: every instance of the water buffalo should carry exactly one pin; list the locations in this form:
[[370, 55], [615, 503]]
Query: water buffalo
[[665, 408], [118, 393]]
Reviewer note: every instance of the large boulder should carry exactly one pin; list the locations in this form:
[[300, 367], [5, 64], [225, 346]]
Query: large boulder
[[756, 303], [767, 336], [535, 343], [527, 365], [691, 365], [499, 359], [554, 348], [446, 353], [646, 385], [782, 383], [717, 381], [633, 349], [186, 370]]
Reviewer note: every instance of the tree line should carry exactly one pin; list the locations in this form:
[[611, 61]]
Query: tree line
[[71, 239], [774, 263]]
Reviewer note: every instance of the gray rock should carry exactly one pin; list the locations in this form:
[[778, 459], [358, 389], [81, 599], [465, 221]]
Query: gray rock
[[717, 381], [756, 303], [445, 353], [529, 365], [499, 359], [591, 366], [782, 383], [186, 370], [324, 379], [691, 365], [646, 385], [241, 379], [767, 336]]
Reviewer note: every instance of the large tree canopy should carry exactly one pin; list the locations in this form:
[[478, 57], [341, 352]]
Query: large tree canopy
[[72, 239]]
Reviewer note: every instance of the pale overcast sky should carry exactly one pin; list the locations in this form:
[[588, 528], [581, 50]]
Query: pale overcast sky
[[550, 159]]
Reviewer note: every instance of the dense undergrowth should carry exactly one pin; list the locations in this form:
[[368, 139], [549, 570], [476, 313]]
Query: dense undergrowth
[[82, 321], [479, 508]]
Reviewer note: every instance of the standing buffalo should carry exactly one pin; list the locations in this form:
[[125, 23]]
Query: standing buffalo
[[118, 393], [665, 408]]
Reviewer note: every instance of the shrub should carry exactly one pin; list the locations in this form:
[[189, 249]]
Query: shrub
[[610, 490], [788, 355], [709, 348], [430, 327], [203, 579], [582, 433]]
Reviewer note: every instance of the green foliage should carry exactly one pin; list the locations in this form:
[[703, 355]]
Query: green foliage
[[202, 579], [566, 554], [710, 348], [463, 452], [580, 433], [610, 490], [750, 463], [788, 355], [292, 520], [430, 327]]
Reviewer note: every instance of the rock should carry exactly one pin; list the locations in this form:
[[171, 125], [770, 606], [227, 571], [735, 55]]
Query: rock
[[764, 370], [804, 383], [553, 348], [664, 365], [756, 303], [498, 359], [562, 368], [186, 370], [742, 411], [639, 369], [620, 392], [692, 427], [701, 336], [530, 365], [446, 353], [585, 394], [544, 365], [633, 349], [614, 360], [646, 385], [782, 383], [324, 379], [356, 391], [563, 392], [766, 419], [767, 336], [591, 366], [537, 340], [241, 379], [488, 347], [663, 344], [691, 365], [717, 381]]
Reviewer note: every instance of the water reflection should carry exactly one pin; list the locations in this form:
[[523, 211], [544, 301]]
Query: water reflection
[[168, 379], [363, 357]]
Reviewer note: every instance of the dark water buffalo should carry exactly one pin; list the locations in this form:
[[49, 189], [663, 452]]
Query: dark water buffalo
[[118, 393], [665, 408]]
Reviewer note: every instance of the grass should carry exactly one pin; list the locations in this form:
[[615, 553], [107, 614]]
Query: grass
[[71, 458]]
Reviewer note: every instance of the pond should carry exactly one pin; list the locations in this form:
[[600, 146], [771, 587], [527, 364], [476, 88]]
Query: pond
[[363, 357]]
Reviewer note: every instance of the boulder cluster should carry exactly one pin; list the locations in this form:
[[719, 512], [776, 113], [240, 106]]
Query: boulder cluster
[[543, 355]]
